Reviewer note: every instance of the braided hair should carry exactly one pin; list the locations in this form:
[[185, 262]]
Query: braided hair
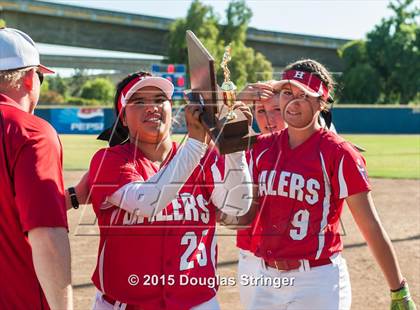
[[319, 70], [118, 133]]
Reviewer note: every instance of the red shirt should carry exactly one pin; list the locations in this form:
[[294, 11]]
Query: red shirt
[[159, 252], [32, 195], [301, 192]]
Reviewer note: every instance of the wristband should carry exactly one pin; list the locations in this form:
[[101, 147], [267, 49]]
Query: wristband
[[73, 198], [402, 285], [402, 293]]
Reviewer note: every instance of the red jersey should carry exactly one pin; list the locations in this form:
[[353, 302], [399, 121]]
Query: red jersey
[[151, 262], [32, 195], [301, 192]]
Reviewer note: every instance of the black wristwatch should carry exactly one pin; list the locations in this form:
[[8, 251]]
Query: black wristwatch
[[73, 198]]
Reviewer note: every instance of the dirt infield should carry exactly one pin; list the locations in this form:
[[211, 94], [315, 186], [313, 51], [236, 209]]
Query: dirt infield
[[398, 204]]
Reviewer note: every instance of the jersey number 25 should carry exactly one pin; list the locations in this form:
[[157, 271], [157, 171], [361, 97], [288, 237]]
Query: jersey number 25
[[199, 252]]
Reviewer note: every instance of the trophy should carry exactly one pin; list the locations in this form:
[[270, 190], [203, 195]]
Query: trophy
[[228, 129], [228, 87]]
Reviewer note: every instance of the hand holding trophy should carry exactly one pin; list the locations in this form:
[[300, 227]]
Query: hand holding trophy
[[229, 129]]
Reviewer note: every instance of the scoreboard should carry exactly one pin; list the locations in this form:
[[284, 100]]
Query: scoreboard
[[174, 73]]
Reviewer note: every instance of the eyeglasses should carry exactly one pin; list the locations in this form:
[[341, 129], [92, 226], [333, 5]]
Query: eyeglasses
[[40, 76]]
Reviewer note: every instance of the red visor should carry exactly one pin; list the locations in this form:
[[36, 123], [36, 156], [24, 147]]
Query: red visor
[[123, 94], [308, 82]]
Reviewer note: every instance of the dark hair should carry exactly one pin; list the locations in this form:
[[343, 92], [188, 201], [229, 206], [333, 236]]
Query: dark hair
[[319, 70], [118, 133]]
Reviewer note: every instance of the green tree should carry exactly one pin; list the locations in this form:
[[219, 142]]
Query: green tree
[[2, 23], [100, 89], [352, 53], [393, 50], [49, 96], [385, 67], [246, 65], [58, 84], [361, 83], [45, 86], [238, 16], [76, 82], [202, 20]]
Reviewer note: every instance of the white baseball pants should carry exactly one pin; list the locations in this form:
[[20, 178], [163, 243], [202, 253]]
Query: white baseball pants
[[318, 288], [248, 264]]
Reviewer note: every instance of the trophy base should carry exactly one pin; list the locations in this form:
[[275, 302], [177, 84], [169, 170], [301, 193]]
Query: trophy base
[[227, 145], [232, 135]]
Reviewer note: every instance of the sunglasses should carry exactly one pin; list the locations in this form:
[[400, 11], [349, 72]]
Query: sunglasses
[[40, 76]]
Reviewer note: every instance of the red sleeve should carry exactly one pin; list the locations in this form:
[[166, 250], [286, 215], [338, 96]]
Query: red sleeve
[[38, 179], [351, 175], [109, 170]]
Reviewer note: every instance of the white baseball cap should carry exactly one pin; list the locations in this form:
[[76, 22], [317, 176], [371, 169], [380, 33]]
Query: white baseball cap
[[143, 81], [18, 50]]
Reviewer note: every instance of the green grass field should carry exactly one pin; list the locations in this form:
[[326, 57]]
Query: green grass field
[[388, 156]]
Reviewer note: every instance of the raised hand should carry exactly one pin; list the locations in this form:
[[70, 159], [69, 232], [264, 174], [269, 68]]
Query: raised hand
[[239, 105], [256, 92], [196, 130]]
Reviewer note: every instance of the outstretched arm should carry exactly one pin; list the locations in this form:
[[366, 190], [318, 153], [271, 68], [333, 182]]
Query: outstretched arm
[[148, 198], [364, 213]]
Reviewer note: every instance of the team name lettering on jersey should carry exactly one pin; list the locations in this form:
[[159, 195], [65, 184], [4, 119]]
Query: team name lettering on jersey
[[288, 184], [188, 207]]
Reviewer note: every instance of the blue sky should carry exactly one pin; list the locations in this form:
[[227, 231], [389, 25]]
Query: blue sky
[[348, 19]]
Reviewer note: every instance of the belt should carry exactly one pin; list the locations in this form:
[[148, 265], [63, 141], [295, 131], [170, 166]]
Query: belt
[[291, 264]]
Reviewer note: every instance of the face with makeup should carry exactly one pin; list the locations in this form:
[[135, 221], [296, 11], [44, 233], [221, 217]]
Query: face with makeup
[[148, 115], [268, 115]]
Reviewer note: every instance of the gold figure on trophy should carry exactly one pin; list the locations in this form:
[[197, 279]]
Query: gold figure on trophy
[[228, 87]]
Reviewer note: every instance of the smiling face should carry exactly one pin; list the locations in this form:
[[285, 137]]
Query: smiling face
[[299, 109], [268, 115], [148, 115]]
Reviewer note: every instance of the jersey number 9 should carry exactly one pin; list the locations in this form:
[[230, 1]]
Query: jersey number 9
[[300, 222]]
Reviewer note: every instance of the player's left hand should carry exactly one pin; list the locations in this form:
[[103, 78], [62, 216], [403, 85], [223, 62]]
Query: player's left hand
[[239, 105], [401, 300]]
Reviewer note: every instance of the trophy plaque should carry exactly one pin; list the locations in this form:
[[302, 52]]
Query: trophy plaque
[[228, 129]]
